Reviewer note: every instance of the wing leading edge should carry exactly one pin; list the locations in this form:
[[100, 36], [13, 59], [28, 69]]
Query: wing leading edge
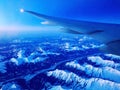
[[107, 33]]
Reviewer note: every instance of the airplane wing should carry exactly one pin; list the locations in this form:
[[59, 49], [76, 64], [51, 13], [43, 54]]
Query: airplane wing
[[107, 33]]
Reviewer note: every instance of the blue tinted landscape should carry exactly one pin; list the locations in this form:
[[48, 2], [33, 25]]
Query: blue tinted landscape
[[39, 55], [57, 62]]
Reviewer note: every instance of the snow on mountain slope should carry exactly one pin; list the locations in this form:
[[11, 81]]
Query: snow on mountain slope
[[58, 64]]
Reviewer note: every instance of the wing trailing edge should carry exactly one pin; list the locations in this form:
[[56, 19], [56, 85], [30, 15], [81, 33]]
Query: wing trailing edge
[[103, 32]]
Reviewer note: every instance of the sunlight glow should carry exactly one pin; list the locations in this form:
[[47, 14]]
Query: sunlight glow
[[21, 10]]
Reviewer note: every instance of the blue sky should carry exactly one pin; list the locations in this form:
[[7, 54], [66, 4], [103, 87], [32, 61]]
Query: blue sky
[[95, 10]]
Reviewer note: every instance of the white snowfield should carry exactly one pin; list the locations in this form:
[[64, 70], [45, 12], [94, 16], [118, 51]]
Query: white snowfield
[[98, 73], [104, 63], [113, 56], [104, 76], [30, 59], [78, 83]]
